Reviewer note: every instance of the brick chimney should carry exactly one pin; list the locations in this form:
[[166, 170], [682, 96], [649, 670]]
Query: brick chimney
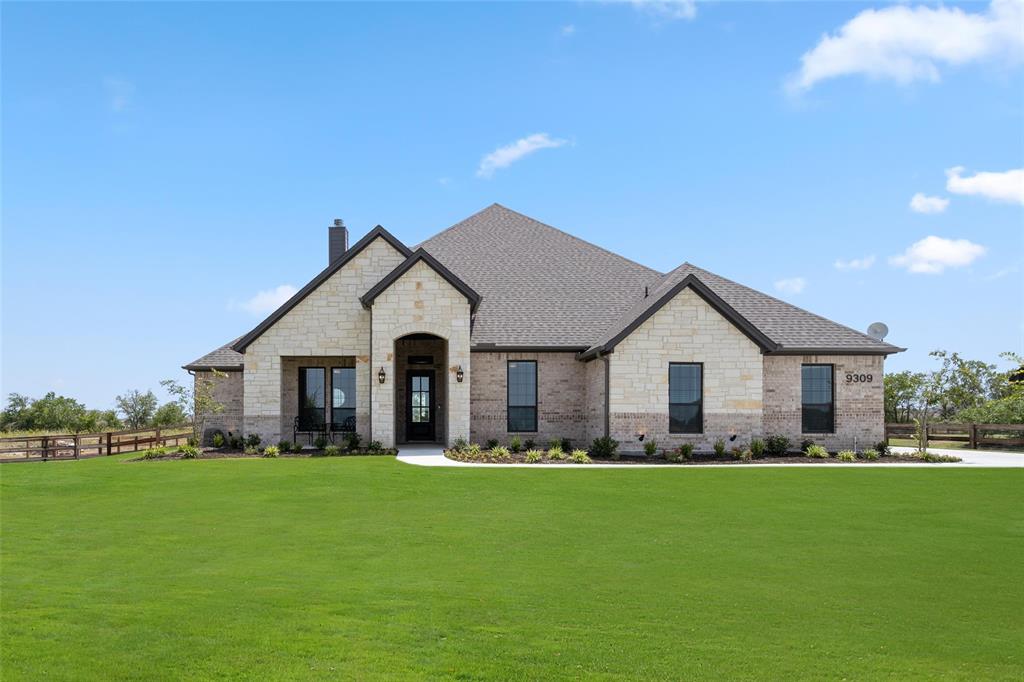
[[337, 240]]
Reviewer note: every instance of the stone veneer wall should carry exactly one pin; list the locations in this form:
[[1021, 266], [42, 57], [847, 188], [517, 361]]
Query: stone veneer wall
[[859, 407], [290, 387], [403, 349], [562, 400], [686, 329], [420, 301], [595, 375], [329, 322], [228, 392]]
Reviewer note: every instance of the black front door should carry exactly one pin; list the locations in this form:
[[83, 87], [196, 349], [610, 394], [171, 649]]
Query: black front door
[[419, 413]]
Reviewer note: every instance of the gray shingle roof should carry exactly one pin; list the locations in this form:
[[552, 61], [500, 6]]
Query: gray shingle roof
[[790, 328], [223, 358], [539, 286]]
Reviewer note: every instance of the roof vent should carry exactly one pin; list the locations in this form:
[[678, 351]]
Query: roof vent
[[645, 292], [337, 240]]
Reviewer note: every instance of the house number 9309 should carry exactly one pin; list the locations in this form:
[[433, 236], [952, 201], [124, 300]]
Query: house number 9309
[[859, 378]]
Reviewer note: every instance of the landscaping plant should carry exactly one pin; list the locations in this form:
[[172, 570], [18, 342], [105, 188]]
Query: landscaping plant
[[870, 455], [604, 447], [816, 452], [579, 457], [332, 451], [776, 446], [847, 456], [719, 448], [556, 453], [218, 440], [534, 456], [757, 448], [515, 444], [271, 451], [650, 448], [188, 451]]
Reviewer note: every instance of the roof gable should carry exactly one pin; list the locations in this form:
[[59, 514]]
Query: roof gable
[[378, 232], [421, 256]]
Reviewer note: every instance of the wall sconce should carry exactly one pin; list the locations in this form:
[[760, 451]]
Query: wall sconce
[[459, 374], [381, 376]]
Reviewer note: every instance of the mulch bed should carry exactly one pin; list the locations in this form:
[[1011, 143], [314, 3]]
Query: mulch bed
[[228, 453], [698, 459]]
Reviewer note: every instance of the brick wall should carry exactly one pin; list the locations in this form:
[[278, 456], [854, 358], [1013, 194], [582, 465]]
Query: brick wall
[[859, 406], [228, 392], [563, 404], [329, 322], [686, 329], [420, 301]]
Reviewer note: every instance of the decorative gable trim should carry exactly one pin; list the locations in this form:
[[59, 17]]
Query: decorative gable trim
[[711, 298], [421, 255], [305, 291]]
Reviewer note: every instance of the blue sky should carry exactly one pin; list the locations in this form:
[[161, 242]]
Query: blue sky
[[163, 164]]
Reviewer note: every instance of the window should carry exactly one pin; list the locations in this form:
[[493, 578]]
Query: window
[[343, 399], [818, 399], [522, 395], [312, 397], [685, 397]]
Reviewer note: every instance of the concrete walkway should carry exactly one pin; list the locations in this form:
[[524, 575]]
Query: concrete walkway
[[433, 456]]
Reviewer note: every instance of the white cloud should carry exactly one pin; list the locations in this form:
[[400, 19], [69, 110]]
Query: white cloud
[[905, 44], [792, 285], [1005, 186], [268, 301], [119, 93], [922, 203], [667, 9], [855, 263], [568, 30], [934, 254], [502, 157], [999, 274]]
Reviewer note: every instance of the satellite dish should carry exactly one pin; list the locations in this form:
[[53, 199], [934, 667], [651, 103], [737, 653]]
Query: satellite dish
[[877, 330]]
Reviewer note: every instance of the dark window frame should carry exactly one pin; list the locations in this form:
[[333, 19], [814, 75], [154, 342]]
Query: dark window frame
[[355, 403], [832, 404], [508, 398], [302, 396], [700, 402]]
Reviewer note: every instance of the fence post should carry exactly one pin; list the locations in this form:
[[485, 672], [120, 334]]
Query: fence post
[[157, 443], [78, 444], [45, 442], [973, 436], [109, 443]]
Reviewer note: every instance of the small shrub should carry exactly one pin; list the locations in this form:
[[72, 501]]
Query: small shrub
[[374, 446], [816, 452], [460, 444], [236, 442], [776, 446], [253, 440], [353, 440], [284, 446], [473, 450], [603, 448], [516, 444], [218, 440], [650, 448], [252, 450], [747, 455], [556, 453], [332, 451], [685, 452], [272, 451], [188, 451], [529, 444], [671, 455], [737, 452], [566, 445], [500, 452], [296, 447], [555, 443], [805, 444], [757, 448], [192, 441], [934, 458], [492, 443], [847, 456], [579, 457], [320, 443], [870, 455], [882, 448], [719, 448], [153, 453], [534, 456]]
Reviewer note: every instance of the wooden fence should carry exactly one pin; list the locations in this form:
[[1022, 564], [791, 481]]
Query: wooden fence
[[78, 445], [975, 435]]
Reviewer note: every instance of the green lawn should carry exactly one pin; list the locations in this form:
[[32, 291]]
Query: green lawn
[[364, 568]]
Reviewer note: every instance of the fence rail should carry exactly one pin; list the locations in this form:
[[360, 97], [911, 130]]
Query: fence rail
[[78, 445], [975, 435]]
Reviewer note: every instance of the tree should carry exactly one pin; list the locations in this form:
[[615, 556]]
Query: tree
[[902, 393], [137, 407], [15, 412], [52, 412], [170, 414], [197, 401], [961, 384]]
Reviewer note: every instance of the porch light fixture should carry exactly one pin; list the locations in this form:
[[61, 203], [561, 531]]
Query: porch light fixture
[[381, 376], [459, 374]]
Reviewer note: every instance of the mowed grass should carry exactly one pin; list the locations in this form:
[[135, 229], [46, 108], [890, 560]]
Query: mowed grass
[[366, 568]]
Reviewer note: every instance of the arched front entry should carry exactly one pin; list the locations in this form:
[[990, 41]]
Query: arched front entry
[[421, 389]]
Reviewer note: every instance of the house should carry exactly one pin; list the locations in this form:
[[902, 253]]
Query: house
[[501, 325]]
